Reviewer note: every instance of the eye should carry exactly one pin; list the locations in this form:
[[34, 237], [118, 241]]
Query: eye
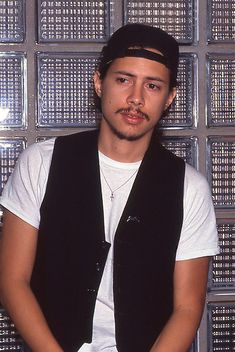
[[153, 86], [122, 80]]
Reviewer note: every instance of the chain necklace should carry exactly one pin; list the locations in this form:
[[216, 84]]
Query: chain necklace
[[112, 191]]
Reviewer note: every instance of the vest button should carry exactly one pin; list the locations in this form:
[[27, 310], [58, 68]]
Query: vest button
[[97, 266], [91, 290]]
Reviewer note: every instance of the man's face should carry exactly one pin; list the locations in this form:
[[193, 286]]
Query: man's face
[[134, 94]]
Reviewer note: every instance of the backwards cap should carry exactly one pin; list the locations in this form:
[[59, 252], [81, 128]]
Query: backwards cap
[[134, 39]]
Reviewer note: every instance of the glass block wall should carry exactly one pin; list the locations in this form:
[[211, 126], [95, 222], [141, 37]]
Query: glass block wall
[[48, 53]]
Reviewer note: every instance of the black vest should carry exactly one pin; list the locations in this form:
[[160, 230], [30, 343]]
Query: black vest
[[72, 250]]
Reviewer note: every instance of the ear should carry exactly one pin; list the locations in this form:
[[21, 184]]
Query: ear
[[97, 83], [171, 97]]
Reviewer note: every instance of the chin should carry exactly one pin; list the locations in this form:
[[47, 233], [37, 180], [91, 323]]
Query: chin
[[131, 137]]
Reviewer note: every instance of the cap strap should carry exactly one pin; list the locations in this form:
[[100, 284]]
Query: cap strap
[[146, 54]]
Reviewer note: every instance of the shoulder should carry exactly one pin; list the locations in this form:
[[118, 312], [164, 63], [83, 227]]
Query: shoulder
[[35, 158], [195, 182], [24, 190], [38, 150], [197, 194], [199, 234]]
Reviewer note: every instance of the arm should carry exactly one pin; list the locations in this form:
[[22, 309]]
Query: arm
[[190, 282], [17, 253]]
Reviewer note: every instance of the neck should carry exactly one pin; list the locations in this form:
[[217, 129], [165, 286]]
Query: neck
[[122, 150]]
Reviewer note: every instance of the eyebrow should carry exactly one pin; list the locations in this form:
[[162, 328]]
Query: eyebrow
[[150, 78]]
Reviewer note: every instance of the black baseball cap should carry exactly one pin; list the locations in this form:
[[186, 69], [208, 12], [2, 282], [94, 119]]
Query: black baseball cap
[[134, 39]]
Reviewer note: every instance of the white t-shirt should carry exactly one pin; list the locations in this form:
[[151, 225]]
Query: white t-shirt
[[25, 189]]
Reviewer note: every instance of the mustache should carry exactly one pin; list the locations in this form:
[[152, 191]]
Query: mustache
[[135, 111]]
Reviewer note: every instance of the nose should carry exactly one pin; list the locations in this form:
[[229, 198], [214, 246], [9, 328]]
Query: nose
[[135, 96]]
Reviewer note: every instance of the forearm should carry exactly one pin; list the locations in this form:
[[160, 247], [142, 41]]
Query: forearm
[[179, 332], [19, 301]]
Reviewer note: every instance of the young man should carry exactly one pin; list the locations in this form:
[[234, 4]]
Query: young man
[[106, 234]]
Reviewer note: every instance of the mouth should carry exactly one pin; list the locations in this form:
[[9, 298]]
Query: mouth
[[133, 116]]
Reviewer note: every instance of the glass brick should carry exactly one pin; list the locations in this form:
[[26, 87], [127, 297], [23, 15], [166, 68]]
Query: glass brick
[[12, 90], [221, 170], [184, 109], [9, 338], [175, 17], [9, 153], [73, 21], [65, 90], [222, 271], [221, 327], [112, 15], [221, 90], [184, 147], [12, 18], [221, 21]]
